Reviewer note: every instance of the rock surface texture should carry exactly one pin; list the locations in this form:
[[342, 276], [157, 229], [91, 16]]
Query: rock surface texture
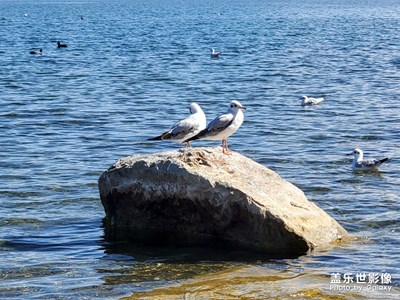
[[203, 193]]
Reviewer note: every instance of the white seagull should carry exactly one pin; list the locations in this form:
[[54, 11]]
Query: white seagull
[[223, 126], [310, 101], [214, 53], [360, 164], [36, 51], [186, 128]]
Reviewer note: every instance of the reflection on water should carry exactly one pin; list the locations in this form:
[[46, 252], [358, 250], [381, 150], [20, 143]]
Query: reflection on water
[[211, 273], [257, 282]]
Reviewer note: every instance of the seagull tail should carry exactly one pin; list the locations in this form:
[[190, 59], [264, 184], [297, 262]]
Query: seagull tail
[[164, 136], [157, 138], [196, 137], [191, 139], [381, 161]]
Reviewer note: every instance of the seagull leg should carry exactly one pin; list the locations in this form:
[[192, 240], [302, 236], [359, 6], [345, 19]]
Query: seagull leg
[[223, 146], [187, 145], [225, 149]]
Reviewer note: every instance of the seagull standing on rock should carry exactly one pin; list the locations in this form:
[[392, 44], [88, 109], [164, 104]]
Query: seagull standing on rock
[[223, 126], [305, 101], [361, 164], [186, 128]]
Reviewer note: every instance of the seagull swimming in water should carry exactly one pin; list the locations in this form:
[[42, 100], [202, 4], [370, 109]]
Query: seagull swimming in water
[[310, 101], [59, 45], [36, 51], [223, 126], [360, 164], [214, 53], [186, 128]]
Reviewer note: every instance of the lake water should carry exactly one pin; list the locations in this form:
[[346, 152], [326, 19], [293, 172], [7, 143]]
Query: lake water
[[130, 70]]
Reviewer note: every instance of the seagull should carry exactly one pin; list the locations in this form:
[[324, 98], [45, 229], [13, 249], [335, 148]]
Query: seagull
[[59, 45], [360, 164], [214, 53], [36, 51], [310, 101], [186, 128], [223, 126]]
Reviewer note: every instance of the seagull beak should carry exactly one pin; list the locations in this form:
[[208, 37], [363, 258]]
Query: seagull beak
[[351, 153], [242, 107]]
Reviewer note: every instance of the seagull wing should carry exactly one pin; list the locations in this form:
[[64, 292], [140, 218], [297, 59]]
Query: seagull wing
[[316, 100], [219, 124], [370, 163], [216, 126], [374, 162], [184, 128]]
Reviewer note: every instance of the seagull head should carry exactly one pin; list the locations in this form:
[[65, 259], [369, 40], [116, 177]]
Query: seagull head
[[303, 98], [236, 106], [194, 108], [358, 154]]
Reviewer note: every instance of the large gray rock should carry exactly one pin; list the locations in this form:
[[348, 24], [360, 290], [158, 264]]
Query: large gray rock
[[202, 193]]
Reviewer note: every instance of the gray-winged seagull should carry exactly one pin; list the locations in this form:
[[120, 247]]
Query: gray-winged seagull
[[186, 128], [310, 101], [359, 163], [223, 126]]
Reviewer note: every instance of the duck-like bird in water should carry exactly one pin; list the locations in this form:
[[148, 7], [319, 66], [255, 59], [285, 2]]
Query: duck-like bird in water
[[223, 126], [361, 164], [59, 45], [186, 128]]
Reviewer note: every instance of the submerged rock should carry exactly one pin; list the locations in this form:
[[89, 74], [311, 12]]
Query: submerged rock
[[203, 194]]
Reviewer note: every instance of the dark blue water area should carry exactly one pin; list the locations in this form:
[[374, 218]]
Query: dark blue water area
[[130, 71]]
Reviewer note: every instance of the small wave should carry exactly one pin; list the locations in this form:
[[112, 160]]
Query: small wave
[[396, 62], [19, 222]]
